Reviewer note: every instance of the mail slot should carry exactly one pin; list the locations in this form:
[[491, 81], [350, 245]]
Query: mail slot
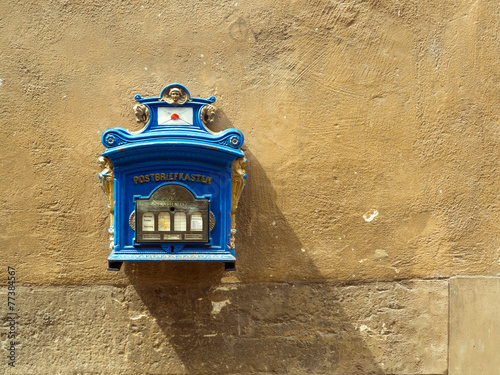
[[173, 187]]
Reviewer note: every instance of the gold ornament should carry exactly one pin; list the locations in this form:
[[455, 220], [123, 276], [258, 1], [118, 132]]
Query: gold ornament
[[238, 181], [175, 95]]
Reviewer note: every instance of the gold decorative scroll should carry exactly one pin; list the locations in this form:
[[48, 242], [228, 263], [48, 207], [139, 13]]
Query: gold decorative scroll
[[106, 180], [207, 114], [141, 113], [238, 180]]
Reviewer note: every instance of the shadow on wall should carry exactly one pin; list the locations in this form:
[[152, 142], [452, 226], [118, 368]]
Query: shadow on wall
[[218, 327], [203, 326], [297, 328], [267, 248]]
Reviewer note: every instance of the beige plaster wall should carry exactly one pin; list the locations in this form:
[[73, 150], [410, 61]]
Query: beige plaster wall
[[372, 135], [347, 107]]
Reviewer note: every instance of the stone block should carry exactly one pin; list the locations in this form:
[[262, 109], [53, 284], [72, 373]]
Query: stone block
[[474, 326], [292, 328]]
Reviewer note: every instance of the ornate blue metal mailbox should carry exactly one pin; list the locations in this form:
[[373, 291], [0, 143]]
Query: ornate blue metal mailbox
[[173, 187]]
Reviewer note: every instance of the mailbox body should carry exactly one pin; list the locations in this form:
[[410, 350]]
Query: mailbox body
[[174, 184]]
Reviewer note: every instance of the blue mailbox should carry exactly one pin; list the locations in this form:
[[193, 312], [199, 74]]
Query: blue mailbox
[[172, 187]]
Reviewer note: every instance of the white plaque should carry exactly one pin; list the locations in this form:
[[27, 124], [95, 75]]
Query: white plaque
[[164, 221], [180, 222], [148, 222], [196, 222], [175, 116]]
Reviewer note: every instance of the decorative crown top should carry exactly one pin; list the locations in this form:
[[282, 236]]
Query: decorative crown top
[[174, 116]]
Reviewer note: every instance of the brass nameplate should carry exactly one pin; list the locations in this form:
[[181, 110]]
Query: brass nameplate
[[157, 177], [151, 237]]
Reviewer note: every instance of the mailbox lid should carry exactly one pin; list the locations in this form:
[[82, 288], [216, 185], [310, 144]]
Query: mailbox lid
[[173, 149], [185, 128]]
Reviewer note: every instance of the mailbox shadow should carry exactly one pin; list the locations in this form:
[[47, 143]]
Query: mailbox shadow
[[267, 248], [255, 320], [263, 328]]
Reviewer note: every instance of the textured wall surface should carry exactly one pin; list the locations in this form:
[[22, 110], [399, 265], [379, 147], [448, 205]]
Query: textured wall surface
[[372, 135], [292, 328], [474, 326]]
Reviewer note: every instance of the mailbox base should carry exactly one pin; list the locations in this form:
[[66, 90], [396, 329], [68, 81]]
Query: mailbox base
[[114, 265], [116, 257]]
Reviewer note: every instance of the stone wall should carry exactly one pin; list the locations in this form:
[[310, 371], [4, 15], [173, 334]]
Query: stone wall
[[372, 135]]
